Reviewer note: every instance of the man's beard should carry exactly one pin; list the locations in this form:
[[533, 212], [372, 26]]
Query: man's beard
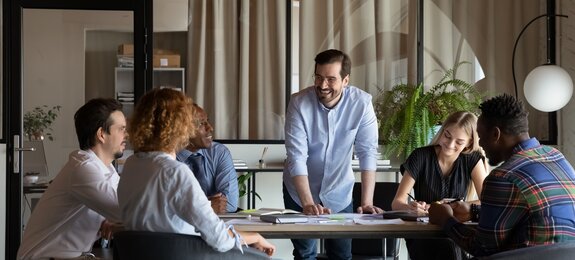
[[118, 155]]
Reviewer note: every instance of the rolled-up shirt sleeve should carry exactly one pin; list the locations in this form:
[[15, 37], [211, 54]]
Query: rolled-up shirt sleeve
[[366, 140], [227, 179], [296, 142]]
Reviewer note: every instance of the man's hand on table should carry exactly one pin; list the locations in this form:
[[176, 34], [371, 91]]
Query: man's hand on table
[[440, 213], [369, 209], [315, 209], [219, 203]]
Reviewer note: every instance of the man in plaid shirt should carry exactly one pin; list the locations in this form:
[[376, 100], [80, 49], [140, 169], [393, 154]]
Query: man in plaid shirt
[[528, 200]]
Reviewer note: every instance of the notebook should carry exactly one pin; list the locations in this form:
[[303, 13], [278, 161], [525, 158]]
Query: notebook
[[284, 218], [267, 211]]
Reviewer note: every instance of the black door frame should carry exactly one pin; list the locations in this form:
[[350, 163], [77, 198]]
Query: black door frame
[[12, 90]]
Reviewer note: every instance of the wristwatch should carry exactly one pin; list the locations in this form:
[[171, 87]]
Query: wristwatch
[[475, 210]]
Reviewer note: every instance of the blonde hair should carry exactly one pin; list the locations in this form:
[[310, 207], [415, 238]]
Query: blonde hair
[[466, 121], [164, 120]]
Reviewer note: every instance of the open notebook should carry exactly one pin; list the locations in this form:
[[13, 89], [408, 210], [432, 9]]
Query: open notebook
[[268, 211]]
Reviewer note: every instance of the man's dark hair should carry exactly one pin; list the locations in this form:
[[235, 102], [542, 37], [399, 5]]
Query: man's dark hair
[[331, 56], [505, 112], [93, 115]]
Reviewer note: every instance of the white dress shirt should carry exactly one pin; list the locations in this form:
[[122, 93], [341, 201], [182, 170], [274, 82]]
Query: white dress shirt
[[158, 193], [66, 220]]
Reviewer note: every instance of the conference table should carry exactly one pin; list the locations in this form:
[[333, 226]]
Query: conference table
[[407, 229]]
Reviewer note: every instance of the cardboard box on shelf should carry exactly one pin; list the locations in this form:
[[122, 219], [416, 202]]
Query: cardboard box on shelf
[[166, 60], [126, 49]]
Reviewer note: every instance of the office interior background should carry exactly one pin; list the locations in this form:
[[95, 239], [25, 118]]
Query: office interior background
[[241, 60]]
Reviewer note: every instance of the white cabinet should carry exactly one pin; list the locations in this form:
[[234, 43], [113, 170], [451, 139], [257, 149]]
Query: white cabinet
[[162, 78]]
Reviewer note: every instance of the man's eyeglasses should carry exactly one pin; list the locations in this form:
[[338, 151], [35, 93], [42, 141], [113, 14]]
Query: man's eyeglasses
[[320, 79]]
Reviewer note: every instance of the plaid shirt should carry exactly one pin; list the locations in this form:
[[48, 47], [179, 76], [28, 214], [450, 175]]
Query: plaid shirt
[[528, 200]]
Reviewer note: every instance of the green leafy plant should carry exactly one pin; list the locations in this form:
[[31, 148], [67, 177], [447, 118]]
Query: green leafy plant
[[39, 120], [407, 113], [243, 187]]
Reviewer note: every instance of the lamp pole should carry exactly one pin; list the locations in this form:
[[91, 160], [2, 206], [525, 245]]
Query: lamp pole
[[551, 116]]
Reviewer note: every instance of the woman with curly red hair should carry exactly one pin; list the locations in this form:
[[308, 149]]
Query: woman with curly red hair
[[157, 192]]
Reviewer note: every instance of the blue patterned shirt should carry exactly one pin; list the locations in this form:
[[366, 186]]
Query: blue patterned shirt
[[219, 167], [528, 200]]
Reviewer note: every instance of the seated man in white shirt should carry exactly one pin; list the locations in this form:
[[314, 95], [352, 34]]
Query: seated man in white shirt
[[212, 164], [69, 216]]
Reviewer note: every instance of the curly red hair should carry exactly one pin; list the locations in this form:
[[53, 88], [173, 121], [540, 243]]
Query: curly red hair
[[163, 120]]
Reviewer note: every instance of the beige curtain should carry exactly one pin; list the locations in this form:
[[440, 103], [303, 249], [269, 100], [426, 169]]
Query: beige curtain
[[377, 35], [236, 65], [483, 33]]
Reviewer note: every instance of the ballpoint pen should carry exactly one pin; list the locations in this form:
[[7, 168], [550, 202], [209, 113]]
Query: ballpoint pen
[[413, 198], [455, 200]]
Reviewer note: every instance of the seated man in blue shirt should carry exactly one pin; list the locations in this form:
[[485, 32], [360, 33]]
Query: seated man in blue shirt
[[212, 164]]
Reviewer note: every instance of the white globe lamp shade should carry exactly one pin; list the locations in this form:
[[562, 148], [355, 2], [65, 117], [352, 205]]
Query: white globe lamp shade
[[548, 88]]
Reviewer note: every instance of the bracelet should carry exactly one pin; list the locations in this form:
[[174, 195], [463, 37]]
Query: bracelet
[[475, 210]]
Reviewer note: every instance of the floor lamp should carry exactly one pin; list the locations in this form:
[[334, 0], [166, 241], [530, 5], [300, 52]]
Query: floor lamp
[[548, 87]]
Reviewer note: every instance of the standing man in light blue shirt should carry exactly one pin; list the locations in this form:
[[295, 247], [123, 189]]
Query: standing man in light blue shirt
[[212, 164], [324, 123]]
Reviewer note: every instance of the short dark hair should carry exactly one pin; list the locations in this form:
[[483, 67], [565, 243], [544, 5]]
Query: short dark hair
[[331, 56], [507, 113], [93, 115]]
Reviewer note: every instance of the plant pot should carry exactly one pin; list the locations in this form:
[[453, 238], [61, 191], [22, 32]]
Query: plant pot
[[37, 136]]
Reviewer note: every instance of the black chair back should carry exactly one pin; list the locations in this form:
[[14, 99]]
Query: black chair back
[[143, 245], [382, 197], [557, 251]]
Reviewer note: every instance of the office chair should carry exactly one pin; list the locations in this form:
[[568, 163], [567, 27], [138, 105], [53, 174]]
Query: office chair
[[142, 245], [376, 248], [557, 251]]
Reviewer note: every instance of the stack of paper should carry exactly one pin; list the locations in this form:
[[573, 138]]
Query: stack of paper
[[125, 97], [380, 162], [240, 164], [125, 61]]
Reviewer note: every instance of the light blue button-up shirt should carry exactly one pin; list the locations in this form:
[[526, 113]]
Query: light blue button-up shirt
[[320, 142], [219, 166]]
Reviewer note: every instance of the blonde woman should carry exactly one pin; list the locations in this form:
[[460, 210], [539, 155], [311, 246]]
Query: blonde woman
[[158, 193], [448, 168]]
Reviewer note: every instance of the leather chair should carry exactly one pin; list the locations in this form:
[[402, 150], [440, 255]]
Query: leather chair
[[376, 248], [142, 245], [557, 251]]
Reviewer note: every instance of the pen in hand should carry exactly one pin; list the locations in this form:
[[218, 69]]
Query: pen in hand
[[413, 198], [455, 200]]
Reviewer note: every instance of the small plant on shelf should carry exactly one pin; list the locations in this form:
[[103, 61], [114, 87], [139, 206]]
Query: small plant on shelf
[[38, 122], [243, 187]]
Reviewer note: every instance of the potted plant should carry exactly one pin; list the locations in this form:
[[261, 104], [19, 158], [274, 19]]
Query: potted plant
[[408, 114], [39, 120], [243, 185]]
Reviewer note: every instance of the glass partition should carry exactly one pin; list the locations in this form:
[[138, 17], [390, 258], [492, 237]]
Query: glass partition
[[65, 62]]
